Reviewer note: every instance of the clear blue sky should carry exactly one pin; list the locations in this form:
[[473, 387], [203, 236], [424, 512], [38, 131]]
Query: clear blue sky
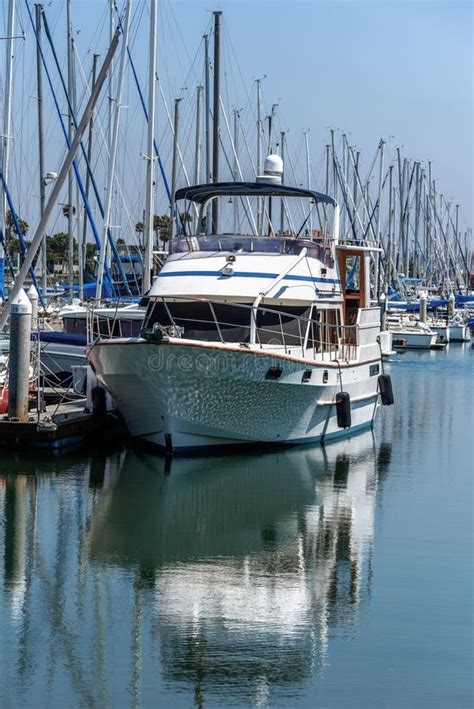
[[372, 68], [393, 69]]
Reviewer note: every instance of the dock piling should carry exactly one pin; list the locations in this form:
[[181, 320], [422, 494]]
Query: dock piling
[[32, 294], [383, 311], [423, 306], [451, 304], [19, 358]]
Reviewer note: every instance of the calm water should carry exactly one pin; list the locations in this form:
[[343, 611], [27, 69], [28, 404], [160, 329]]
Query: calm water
[[336, 577]]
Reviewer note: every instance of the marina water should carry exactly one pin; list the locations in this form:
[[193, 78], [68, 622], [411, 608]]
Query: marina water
[[334, 577]]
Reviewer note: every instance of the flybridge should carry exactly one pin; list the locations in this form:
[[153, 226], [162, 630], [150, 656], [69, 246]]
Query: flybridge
[[264, 188], [206, 192]]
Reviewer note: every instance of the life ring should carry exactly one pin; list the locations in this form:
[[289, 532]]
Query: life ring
[[457, 320]]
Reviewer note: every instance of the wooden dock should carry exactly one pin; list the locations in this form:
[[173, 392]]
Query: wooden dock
[[61, 425]]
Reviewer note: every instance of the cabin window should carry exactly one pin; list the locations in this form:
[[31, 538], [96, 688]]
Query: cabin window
[[324, 330], [352, 274], [216, 322], [252, 244]]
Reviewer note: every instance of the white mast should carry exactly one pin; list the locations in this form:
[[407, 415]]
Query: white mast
[[7, 117], [259, 156], [236, 166], [379, 212], [113, 153], [198, 144], [308, 179], [59, 182], [149, 207], [70, 189]]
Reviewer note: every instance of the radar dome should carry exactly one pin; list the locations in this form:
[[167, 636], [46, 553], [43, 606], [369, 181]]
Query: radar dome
[[273, 165]]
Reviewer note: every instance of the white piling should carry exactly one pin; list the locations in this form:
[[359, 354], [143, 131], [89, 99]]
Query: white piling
[[19, 357], [383, 311], [32, 294], [451, 303], [423, 306]]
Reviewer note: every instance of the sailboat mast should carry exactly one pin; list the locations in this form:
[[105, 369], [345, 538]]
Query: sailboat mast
[[282, 202], [174, 168], [207, 112], [308, 182], [7, 118], [148, 235], [379, 212], [236, 166], [259, 155], [197, 144], [388, 258], [216, 116], [70, 183], [60, 180], [39, 89], [113, 151], [88, 177]]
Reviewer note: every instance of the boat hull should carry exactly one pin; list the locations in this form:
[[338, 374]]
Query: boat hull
[[181, 395], [413, 339], [459, 333], [442, 331]]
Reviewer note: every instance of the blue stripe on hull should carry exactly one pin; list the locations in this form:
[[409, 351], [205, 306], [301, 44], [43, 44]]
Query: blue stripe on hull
[[248, 274]]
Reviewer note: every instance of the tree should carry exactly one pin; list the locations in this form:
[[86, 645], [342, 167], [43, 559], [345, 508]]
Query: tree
[[57, 246], [12, 240], [162, 227], [91, 253], [185, 219]]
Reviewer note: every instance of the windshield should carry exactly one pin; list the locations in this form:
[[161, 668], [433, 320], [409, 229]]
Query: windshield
[[252, 244]]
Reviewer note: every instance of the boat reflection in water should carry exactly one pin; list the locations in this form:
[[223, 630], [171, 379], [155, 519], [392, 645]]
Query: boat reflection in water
[[220, 577], [253, 559]]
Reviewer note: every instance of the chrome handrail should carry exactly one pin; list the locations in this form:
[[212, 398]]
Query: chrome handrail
[[334, 341]]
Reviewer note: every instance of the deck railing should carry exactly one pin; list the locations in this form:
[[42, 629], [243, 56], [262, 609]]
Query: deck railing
[[230, 322]]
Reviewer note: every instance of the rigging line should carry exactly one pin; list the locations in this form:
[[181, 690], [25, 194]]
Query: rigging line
[[184, 44], [362, 198], [290, 160], [84, 153], [347, 192], [99, 30], [195, 61], [228, 51], [180, 155], [235, 156], [249, 154], [145, 111], [231, 45], [20, 234], [250, 218], [61, 119]]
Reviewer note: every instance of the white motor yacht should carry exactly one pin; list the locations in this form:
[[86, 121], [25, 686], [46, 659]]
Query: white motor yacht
[[408, 331], [260, 338]]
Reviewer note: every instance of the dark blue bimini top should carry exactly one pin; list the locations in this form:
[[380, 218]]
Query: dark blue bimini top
[[201, 193]]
